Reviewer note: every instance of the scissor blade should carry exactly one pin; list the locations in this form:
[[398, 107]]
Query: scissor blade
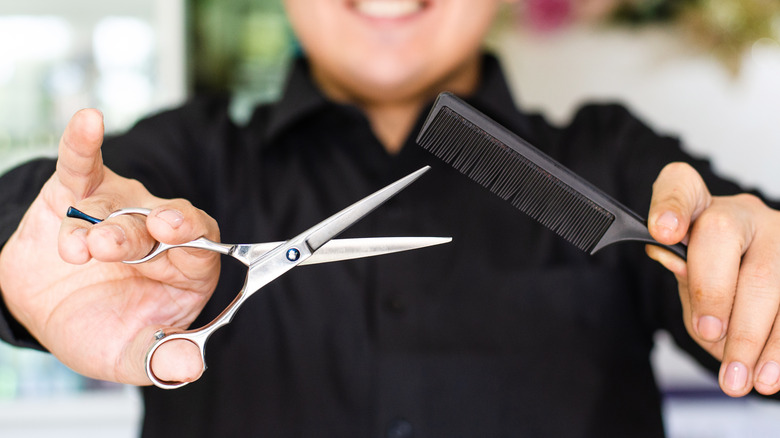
[[337, 250], [318, 235]]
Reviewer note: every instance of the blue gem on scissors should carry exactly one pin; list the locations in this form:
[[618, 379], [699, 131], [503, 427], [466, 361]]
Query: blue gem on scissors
[[293, 254]]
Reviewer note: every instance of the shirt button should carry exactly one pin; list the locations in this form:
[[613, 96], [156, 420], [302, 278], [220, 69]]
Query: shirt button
[[399, 428]]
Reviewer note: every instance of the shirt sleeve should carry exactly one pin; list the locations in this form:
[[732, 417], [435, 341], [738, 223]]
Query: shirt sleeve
[[179, 153], [634, 154], [19, 186]]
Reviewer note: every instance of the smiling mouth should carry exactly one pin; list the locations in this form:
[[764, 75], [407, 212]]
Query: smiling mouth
[[388, 9]]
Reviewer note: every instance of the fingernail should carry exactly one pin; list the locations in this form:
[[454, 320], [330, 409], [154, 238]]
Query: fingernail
[[770, 374], [668, 221], [173, 218], [710, 328], [736, 376]]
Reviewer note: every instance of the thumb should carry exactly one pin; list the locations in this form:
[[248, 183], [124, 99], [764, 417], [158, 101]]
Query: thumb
[[79, 163], [177, 361], [174, 361], [679, 197]]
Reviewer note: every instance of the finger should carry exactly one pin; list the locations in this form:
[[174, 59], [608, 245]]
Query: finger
[[116, 239], [72, 238], [755, 310], [767, 371], [718, 239], [178, 221], [668, 260], [680, 269], [679, 196], [79, 163], [120, 238]]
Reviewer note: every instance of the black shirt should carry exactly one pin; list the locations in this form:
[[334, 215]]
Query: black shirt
[[506, 331]]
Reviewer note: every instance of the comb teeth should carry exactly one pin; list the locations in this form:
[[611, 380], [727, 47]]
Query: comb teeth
[[514, 178]]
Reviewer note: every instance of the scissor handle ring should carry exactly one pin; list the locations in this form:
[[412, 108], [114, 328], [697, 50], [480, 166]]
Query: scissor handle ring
[[159, 247], [156, 249], [130, 210], [196, 337]]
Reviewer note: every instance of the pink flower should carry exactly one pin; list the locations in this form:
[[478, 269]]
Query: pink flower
[[547, 15], [550, 15]]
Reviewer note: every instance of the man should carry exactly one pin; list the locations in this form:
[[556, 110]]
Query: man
[[507, 331]]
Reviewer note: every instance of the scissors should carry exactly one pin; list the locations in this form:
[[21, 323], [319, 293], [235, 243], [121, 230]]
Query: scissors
[[268, 261]]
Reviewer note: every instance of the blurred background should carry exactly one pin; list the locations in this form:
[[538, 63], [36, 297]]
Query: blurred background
[[707, 71]]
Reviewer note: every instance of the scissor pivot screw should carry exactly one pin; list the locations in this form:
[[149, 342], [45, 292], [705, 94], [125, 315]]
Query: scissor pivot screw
[[293, 254]]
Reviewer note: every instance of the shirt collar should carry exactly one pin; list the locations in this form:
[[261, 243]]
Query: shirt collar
[[302, 97]]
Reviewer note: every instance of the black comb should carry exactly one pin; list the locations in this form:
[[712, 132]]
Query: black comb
[[534, 183]]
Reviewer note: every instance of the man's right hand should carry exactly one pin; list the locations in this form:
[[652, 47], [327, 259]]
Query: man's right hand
[[63, 279]]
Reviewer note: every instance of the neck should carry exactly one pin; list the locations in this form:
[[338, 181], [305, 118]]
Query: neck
[[392, 123], [392, 119]]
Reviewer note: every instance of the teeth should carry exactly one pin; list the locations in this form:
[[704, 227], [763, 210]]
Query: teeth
[[388, 8]]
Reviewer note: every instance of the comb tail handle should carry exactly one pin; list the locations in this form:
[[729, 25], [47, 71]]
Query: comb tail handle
[[629, 226]]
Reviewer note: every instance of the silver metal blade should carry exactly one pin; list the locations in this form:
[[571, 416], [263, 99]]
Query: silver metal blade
[[318, 235], [337, 250], [346, 249]]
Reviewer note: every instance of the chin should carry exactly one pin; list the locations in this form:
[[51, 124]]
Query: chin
[[387, 87], [390, 73]]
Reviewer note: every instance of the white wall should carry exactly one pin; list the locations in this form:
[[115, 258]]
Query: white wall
[[675, 88]]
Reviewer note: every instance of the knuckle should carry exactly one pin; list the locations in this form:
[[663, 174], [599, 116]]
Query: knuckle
[[211, 224], [761, 275], [134, 186], [745, 339], [180, 203], [189, 212], [750, 200], [700, 299], [713, 299], [716, 222], [773, 345]]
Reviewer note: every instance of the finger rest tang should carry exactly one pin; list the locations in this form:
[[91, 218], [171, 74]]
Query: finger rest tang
[[156, 249], [73, 212], [78, 214]]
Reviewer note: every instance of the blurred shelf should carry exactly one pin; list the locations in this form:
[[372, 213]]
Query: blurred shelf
[[115, 413], [691, 417]]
